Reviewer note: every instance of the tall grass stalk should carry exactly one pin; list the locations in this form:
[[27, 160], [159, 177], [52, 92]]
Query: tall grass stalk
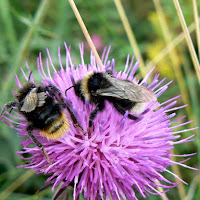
[[85, 32], [18, 43], [196, 19], [173, 55], [17, 183], [130, 35], [169, 47], [22, 51], [8, 24], [188, 38]]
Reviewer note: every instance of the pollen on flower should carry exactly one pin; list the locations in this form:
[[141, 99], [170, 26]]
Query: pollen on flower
[[118, 156]]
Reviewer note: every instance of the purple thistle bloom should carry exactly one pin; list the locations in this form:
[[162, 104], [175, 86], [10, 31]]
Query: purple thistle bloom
[[120, 155]]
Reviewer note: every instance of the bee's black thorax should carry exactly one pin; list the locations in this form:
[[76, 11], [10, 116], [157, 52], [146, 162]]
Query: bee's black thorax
[[43, 117]]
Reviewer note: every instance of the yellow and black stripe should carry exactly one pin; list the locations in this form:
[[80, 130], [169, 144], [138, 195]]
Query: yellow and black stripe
[[57, 128]]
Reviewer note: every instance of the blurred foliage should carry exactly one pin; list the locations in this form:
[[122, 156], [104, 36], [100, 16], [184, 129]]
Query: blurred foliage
[[23, 36]]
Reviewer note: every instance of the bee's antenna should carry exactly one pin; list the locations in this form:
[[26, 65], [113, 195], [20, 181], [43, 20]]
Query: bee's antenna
[[68, 89], [29, 77]]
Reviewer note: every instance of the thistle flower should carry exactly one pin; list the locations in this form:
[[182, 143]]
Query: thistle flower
[[120, 156]]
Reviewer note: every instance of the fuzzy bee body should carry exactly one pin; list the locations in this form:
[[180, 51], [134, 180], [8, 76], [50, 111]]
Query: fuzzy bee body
[[43, 111], [125, 95]]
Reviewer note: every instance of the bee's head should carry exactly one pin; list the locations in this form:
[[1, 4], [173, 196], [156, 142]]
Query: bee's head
[[95, 82], [98, 81], [109, 72], [22, 92]]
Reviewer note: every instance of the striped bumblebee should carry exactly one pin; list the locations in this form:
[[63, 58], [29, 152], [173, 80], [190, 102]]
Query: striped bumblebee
[[124, 95], [43, 111]]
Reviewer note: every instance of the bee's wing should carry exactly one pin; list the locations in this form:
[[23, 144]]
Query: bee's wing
[[125, 89], [30, 101], [33, 100], [41, 98]]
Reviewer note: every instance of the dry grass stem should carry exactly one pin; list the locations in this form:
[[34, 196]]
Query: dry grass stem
[[169, 48], [196, 19], [85, 32], [176, 68], [188, 38], [173, 55]]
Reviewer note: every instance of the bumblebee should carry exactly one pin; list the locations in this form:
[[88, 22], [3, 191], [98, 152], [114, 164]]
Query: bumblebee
[[124, 95], [39, 105]]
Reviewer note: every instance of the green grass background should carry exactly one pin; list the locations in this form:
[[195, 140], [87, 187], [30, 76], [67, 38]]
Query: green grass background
[[29, 27]]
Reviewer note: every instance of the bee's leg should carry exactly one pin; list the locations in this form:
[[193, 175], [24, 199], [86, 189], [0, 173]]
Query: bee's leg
[[75, 121], [93, 114], [133, 117], [29, 130], [122, 111], [146, 111], [53, 90], [7, 106]]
